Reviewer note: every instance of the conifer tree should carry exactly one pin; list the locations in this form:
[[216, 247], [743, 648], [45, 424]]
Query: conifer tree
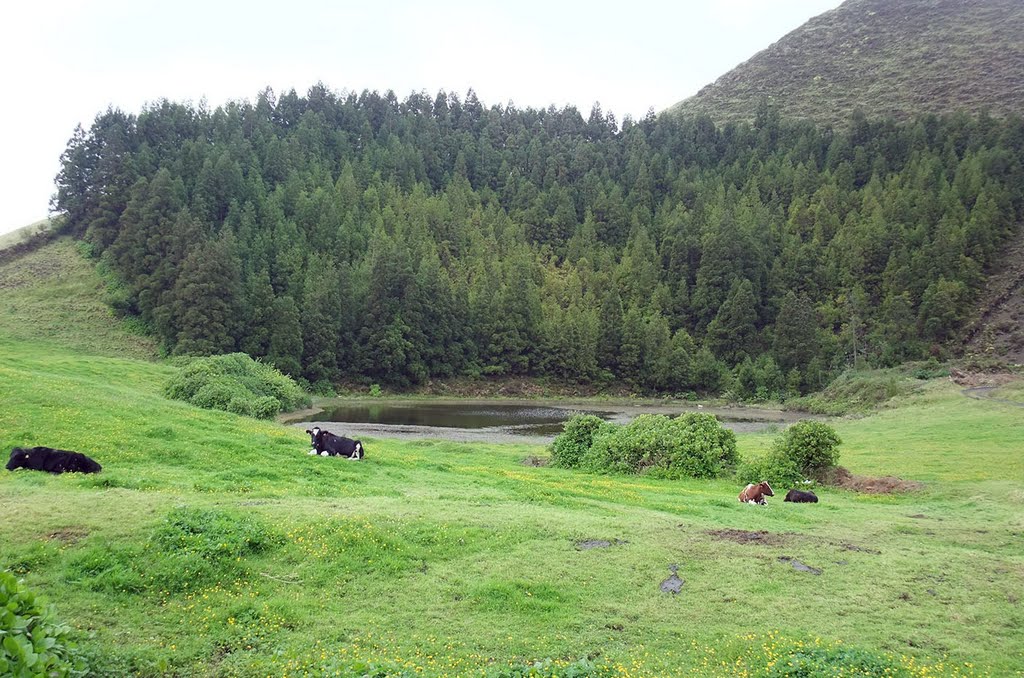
[[286, 337], [732, 334], [207, 298]]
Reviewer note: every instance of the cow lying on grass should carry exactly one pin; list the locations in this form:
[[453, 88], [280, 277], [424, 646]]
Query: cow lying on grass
[[52, 461], [756, 493], [801, 496], [326, 444]]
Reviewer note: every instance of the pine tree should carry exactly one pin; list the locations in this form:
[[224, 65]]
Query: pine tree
[[796, 333], [321, 322], [206, 299], [286, 337], [732, 334]]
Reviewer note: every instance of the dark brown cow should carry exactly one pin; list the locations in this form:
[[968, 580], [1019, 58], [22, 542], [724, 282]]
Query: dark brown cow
[[801, 496], [756, 493], [52, 461]]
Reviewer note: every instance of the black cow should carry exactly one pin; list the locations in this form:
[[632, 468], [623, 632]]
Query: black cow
[[800, 496], [326, 444], [51, 460]]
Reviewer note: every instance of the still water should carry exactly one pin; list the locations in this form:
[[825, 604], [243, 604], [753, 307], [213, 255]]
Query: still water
[[500, 421]]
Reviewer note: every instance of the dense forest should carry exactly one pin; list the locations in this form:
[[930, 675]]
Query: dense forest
[[358, 237]]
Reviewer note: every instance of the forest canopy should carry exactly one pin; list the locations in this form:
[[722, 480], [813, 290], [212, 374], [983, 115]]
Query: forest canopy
[[360, 237]]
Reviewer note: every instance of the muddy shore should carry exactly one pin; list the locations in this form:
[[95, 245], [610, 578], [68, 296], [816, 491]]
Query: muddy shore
[[739, 419]]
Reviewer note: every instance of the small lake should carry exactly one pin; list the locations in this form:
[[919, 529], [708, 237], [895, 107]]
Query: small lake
[[503, 420]]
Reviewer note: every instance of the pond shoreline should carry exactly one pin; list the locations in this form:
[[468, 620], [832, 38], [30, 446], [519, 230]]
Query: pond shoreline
[[737, 418]]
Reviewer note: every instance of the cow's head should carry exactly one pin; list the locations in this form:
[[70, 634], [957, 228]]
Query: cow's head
[[766, 489], [18, 458], [314, 434]]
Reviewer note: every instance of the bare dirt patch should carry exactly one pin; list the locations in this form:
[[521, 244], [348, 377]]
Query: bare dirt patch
[[745, 537], [69, 535], [842, 478], [798, 566], [859, 549], [673, 584], [971, 379]]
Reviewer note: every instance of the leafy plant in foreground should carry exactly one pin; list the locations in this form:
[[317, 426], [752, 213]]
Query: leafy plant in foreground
[[32, 641]]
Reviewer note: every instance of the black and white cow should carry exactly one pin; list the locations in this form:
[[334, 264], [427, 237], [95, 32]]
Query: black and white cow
[[326, 444], [51, 460]]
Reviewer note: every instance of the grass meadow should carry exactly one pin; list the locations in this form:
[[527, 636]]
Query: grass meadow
[[212, 545]]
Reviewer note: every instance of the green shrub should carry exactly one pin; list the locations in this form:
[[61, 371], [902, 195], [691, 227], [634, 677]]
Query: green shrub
[[776, 468], [264, 407], [575, 439], [236, 383], [240, 405], [214, 395], [32, 642], [854, 392], [820, 662], [811, 445], [692, 445]]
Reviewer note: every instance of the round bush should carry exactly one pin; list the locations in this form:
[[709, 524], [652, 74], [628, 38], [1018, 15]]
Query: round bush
[[692, 445], [812, 445], [214, 395], [265, 407], [240, 405], [775, 467], [706, 449], [236, 383], [34, 643], [576, 438]]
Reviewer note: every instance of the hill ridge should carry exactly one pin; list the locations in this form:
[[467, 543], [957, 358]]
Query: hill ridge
[[889, 59]]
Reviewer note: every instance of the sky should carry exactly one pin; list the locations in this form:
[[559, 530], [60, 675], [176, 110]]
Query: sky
[[65, 61]]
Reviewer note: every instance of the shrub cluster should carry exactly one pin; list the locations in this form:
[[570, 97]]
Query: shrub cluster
[[576, 438], [821, 662], [693, 445], [807, 449], [236, 383], [855, 391], [32, 642]]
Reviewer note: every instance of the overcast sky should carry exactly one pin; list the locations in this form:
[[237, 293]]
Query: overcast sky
[[66, 61]]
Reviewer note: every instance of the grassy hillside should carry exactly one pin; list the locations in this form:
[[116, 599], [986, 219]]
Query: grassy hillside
[[212, 545], [886, 58], [26, 233], [54, 297]]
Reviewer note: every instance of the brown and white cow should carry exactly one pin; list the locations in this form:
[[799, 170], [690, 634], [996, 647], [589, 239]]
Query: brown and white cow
[[756, 493]]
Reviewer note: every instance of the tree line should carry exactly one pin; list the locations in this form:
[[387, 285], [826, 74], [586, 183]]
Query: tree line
[[345, 236]]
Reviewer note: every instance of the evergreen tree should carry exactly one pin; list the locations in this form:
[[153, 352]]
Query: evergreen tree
[[206, 299], [321, 322], [796, 333], [286, 337], [732, 335]]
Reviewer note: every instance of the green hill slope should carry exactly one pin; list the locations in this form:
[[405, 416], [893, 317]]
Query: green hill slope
[[212, 545], [26, 233], [886, 58], [53, 296]]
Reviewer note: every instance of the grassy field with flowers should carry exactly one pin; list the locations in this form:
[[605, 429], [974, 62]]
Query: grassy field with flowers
[[210, 544]]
